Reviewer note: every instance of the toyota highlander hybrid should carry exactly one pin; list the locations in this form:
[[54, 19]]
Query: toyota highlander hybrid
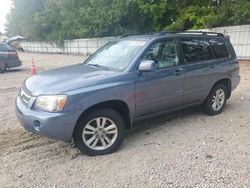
[[129, 79]]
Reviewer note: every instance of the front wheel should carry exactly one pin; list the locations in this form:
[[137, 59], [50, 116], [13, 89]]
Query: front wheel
[[99, 132], [216, 100]]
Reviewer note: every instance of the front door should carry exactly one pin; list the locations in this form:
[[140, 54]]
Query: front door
[[161, 89]]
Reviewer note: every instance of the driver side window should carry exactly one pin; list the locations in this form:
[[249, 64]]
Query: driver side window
[[164, 53]]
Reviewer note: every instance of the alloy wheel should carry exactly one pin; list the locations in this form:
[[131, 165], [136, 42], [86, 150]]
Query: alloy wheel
[[218, 99], [100, 133]]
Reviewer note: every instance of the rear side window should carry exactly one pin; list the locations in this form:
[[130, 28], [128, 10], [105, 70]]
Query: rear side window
[[219, 48], [5, 48], [196, 50]]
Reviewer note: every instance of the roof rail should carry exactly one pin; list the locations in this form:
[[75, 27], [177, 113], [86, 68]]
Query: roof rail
[[190, 32], [202, 33], [162, 33]]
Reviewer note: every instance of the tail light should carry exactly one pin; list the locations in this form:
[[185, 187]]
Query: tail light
[[13, 55]]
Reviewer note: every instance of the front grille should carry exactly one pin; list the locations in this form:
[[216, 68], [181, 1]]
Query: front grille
[[25, 98]]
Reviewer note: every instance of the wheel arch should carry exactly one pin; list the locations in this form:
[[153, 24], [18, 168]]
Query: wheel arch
[[118, 105], [227, 82]]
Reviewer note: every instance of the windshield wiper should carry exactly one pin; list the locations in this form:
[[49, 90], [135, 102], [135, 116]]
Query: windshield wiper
[[99, 66]]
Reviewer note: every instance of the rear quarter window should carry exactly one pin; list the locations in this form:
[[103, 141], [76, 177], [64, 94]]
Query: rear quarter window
[[219, 48]]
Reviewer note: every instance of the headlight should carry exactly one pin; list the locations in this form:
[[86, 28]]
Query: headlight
[[51, 103]]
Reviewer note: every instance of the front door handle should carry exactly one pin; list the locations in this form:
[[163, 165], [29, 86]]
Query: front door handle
[[178, 71]]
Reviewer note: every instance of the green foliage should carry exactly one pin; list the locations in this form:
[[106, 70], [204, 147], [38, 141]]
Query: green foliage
[[57, 20], [241, 12], [161, 12], [195, 17]]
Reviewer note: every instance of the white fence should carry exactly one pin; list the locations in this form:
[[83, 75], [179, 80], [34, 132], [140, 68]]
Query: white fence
[[239, 36], [78, 46]]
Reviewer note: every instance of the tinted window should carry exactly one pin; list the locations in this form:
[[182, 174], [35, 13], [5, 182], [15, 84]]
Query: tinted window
[[219, 48], [196, 50], [164, 54]]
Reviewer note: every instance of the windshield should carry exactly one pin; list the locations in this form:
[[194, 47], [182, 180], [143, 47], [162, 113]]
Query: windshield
[[116, 54]]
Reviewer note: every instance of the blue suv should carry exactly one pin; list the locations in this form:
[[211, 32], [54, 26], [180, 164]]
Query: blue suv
[[129, 79]]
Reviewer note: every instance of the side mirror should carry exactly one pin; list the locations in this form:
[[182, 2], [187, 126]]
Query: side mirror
[[147, 66]]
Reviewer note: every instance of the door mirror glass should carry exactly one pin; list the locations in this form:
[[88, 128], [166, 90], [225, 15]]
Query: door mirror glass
[[147, 66]]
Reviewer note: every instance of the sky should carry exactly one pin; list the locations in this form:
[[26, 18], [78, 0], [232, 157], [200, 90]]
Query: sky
[[5, 6]]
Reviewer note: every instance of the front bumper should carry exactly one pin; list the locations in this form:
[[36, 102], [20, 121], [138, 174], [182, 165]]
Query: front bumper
[[59, 126]]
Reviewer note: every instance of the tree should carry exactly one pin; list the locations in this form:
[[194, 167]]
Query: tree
[[161, 12], [195, 17], [21, 19], [97, 18], [57, 20], [241, 12]]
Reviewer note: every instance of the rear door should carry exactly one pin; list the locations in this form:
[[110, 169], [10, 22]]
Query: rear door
[[3, 55], [163, 88], [200, 68]]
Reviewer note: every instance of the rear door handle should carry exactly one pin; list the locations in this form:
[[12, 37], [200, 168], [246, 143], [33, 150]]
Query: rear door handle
[[178, 71]]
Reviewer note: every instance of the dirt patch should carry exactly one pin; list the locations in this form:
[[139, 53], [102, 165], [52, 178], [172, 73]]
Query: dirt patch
[[183, 149]]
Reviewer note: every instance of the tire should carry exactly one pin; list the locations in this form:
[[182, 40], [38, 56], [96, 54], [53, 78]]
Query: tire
[[87, 132], [20, 49], [216, 100], [2, 67]]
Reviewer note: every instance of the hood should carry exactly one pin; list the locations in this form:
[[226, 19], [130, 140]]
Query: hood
[[65, 79]]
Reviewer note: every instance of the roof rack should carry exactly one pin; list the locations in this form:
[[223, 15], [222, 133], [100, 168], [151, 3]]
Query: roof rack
[[162, 33], [190, 32]]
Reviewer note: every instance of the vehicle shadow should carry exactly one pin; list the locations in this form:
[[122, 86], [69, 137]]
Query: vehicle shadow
[[153, 123], [147, 127]]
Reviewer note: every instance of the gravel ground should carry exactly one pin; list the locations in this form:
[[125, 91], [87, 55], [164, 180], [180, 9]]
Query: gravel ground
[[183, 149]]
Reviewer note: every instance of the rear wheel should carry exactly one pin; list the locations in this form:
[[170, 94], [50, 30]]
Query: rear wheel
[[99, 132], [20, 49], [216, 100], [2, 67]]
